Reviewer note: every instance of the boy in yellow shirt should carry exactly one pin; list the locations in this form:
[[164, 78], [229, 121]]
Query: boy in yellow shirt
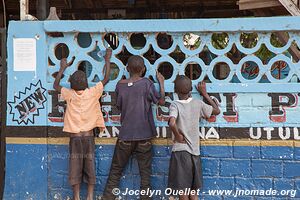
[[82, 115]]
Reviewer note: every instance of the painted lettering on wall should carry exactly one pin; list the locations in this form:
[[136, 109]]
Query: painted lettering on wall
[[228, 102], [216, 133]]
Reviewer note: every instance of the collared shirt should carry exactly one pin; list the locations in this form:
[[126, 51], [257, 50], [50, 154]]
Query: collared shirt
[[134, 100], [83, 111], [188, 114]]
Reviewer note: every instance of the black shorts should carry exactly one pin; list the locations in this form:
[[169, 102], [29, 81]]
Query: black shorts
[[185, 171], [82, 160]]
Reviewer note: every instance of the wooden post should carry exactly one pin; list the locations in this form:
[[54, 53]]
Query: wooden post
[[291, 7], [24, 10]]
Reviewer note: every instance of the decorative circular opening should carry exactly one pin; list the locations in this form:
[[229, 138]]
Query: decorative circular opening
[[193, 71], [86, 67], [221, 70], [164, 41], [280, 70], [191, 41], [166, 69], [137, 40], [279, 39], [84, 40], [220, 40], [249, 40], [111, 40], [61, 51], [250, 70], [114, 73]]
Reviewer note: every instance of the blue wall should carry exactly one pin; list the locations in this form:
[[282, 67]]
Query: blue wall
[[41, 171]]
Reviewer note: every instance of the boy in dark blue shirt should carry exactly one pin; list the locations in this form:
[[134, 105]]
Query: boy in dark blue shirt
[[134, 98]]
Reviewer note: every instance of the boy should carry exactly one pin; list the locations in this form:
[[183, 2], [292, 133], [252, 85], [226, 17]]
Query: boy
[[185, 165], [134, 98], [82, 115]]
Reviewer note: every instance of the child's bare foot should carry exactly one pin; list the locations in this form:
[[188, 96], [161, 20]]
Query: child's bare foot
[[90, 192], [173, 198], [76, 192]]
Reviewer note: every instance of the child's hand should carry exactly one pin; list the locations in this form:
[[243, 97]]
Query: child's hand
[[108, 54], [160, 77], [180, 138], [64, 64], [201, 87]]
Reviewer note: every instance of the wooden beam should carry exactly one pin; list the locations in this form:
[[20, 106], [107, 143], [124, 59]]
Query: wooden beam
[[147, 9], [293, 50], [256, 4], [291, 7], [223, 13]]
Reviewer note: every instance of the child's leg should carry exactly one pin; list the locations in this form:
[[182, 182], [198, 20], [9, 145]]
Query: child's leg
[[89, 175], [76, 191], [90, 195], [144, 157], [194, 197], [75, 165], [123, 151], [197, 178], [184, 197]]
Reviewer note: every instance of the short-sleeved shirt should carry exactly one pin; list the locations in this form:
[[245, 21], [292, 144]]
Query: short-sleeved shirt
[[188, 114], [83, 111], [134, 101]]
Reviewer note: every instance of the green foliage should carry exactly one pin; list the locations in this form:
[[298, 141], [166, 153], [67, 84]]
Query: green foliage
[[219, 40], [248, 40]]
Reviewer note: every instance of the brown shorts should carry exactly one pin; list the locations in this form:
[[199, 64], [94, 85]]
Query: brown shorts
[[82, 160]]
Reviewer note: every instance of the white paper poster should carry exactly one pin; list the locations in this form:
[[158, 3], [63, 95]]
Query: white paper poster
[[24, 54]]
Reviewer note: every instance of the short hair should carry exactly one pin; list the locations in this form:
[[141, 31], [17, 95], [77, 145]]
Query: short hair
[[135, 64], [78, 80], [183, 84]]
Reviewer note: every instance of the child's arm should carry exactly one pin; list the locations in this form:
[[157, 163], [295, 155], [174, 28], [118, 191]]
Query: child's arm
[[63, 67], [107, 66], [202, 90], [161, 81], [177, 133]]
